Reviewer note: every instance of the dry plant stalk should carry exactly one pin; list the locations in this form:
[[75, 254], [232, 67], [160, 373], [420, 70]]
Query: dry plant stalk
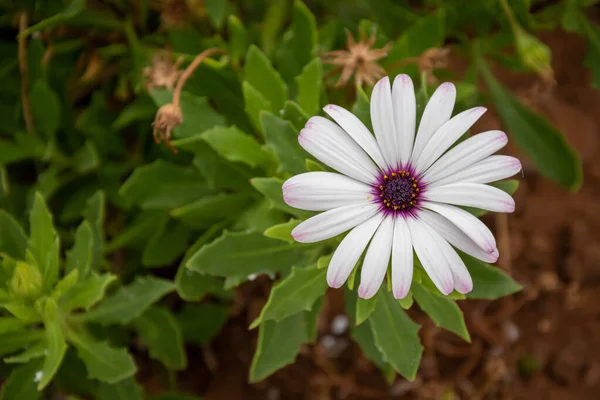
[[359, 60], [170, 116]]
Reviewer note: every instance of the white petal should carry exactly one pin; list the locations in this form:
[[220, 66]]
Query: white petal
[[437, 112], [377, 259], [321, 191], [333, 222], [349, 251], [467, 153], [491, 169], [331, 145], [405, 115], [475, 195], [382, 116], [432, 258], [445, 137], [402, 259], [462, 278], [358, 131], [455, 236], [468, 223]]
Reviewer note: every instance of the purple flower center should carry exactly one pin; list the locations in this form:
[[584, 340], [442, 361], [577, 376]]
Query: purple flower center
[[399, 191]]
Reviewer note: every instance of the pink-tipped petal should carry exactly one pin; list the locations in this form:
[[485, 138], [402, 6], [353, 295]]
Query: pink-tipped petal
[[437, 112], [331, 145], [465, 154], [382, 116], [376, 259], [402, 259], [466, 222], [476, 195], [490, 169], [358, 131], [321, 191], [446, 136], [349, 251], [405, 115], [431, 256], [333, 222]]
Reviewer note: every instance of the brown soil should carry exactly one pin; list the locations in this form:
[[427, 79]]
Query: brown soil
[[541, 343]]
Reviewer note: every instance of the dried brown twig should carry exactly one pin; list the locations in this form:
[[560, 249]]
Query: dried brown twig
[[170, 116]]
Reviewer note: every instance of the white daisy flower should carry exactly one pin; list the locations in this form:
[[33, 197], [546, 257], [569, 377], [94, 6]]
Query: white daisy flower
[[399, 191]]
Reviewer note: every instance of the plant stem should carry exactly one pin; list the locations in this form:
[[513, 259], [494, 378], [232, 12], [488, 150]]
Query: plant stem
[[23, 68], [189, 70]]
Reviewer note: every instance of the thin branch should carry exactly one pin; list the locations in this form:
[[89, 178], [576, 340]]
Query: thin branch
[[190, 69]]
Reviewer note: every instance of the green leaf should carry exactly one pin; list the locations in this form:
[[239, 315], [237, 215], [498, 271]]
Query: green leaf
[[55, 340], [160, 331], [271, 189], [255, 102], [81, 255], [362, 108], [545, 145], [129, 302], [21, 384], [46, 108], [209, 210], [363, 335], [295, 114], [299, 44], [238, 38], [239, 254], [220, 173], [444, 311], [198, 115], [201, 323], [103, 362], [161, 185], [425, 33], [364, 308], [216, 11], [13, 240], [396, 335], [263, 77], [73, 9], [43, 240], [36, 350], [258, 217], [126, 389], [87, 293], [65, 284], [489, 282], [169, 241], [296, 293], [283, 138], [87, 158], [23, 147], [8, 324], [15, 340], [193, 286], [283, 231], [309, 86], [278, 344], [94, 213], [235, 146]]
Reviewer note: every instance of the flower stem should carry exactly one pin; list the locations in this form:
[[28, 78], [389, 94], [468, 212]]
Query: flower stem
[[190, 69]]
